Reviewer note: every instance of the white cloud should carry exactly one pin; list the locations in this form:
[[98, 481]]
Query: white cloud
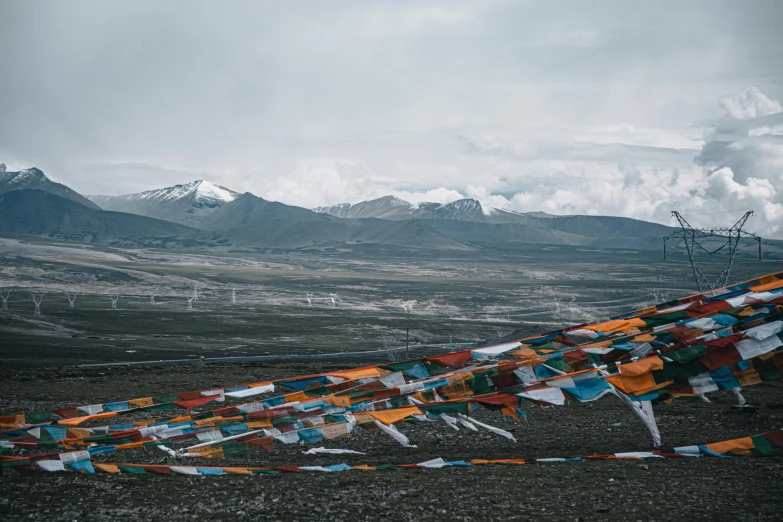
[[739, 168], [750, 103], [526, 106]]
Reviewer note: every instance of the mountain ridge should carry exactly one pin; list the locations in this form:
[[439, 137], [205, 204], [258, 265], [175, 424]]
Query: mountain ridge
[[34, 179], [40, 213], [187, 204], [248, 208], [394, 208]]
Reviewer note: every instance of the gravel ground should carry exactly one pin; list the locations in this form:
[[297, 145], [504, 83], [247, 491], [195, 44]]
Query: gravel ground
[[671, 489]]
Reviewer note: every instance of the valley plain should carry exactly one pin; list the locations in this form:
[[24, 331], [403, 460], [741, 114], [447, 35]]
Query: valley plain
[[456, 299]]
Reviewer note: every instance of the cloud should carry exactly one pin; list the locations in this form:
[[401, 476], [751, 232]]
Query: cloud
[[746, 146], [722, 186], [528, 106], [631, 177], [133, 175], [743, 158], [739, 168], [750, 103]]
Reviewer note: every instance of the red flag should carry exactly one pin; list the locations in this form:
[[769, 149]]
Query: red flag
[[266, 443], [775, 437], [192, 403], [158, 469], [719, 356], [68, 413], [504, 399], [189, 395], [288, 469], [451, 360]]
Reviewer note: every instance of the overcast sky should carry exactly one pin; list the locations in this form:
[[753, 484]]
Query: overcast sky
[[621, 108]]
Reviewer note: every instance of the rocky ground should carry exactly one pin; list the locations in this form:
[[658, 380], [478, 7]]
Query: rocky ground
[[749, 488], [461, 300]]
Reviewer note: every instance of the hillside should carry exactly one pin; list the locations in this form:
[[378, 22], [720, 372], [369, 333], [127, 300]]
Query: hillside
[[39, 213], [247, 209], [394, 208], [187, 204], [35, 179], [387, 207], [253, 221]]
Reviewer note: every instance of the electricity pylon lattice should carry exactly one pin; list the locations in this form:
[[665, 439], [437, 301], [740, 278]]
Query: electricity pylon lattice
[[695, 239], [37, 298]]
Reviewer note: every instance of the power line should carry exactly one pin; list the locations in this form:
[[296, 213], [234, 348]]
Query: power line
[[737, 209], [694, 238]]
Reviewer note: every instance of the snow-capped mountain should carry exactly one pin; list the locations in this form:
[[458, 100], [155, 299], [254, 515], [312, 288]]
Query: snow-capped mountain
[[186, 204], [387, 207], [394, 208], [35, 179]]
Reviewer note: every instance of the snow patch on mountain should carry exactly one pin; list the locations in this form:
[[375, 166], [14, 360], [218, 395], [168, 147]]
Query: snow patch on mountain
[[397, 202], [486, 209], [387, 207], [394, 208], [199, 190], [187, 204], [206, 189], [25, 176]]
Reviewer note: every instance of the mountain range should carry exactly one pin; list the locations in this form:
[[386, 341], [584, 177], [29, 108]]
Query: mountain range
[[204, 214], [394, 208]]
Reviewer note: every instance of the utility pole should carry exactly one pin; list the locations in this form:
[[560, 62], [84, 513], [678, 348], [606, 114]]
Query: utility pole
[[407, 338], [408, 308]]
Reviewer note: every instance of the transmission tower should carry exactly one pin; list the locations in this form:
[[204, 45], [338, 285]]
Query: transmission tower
[[694, 239], [37, 298]]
